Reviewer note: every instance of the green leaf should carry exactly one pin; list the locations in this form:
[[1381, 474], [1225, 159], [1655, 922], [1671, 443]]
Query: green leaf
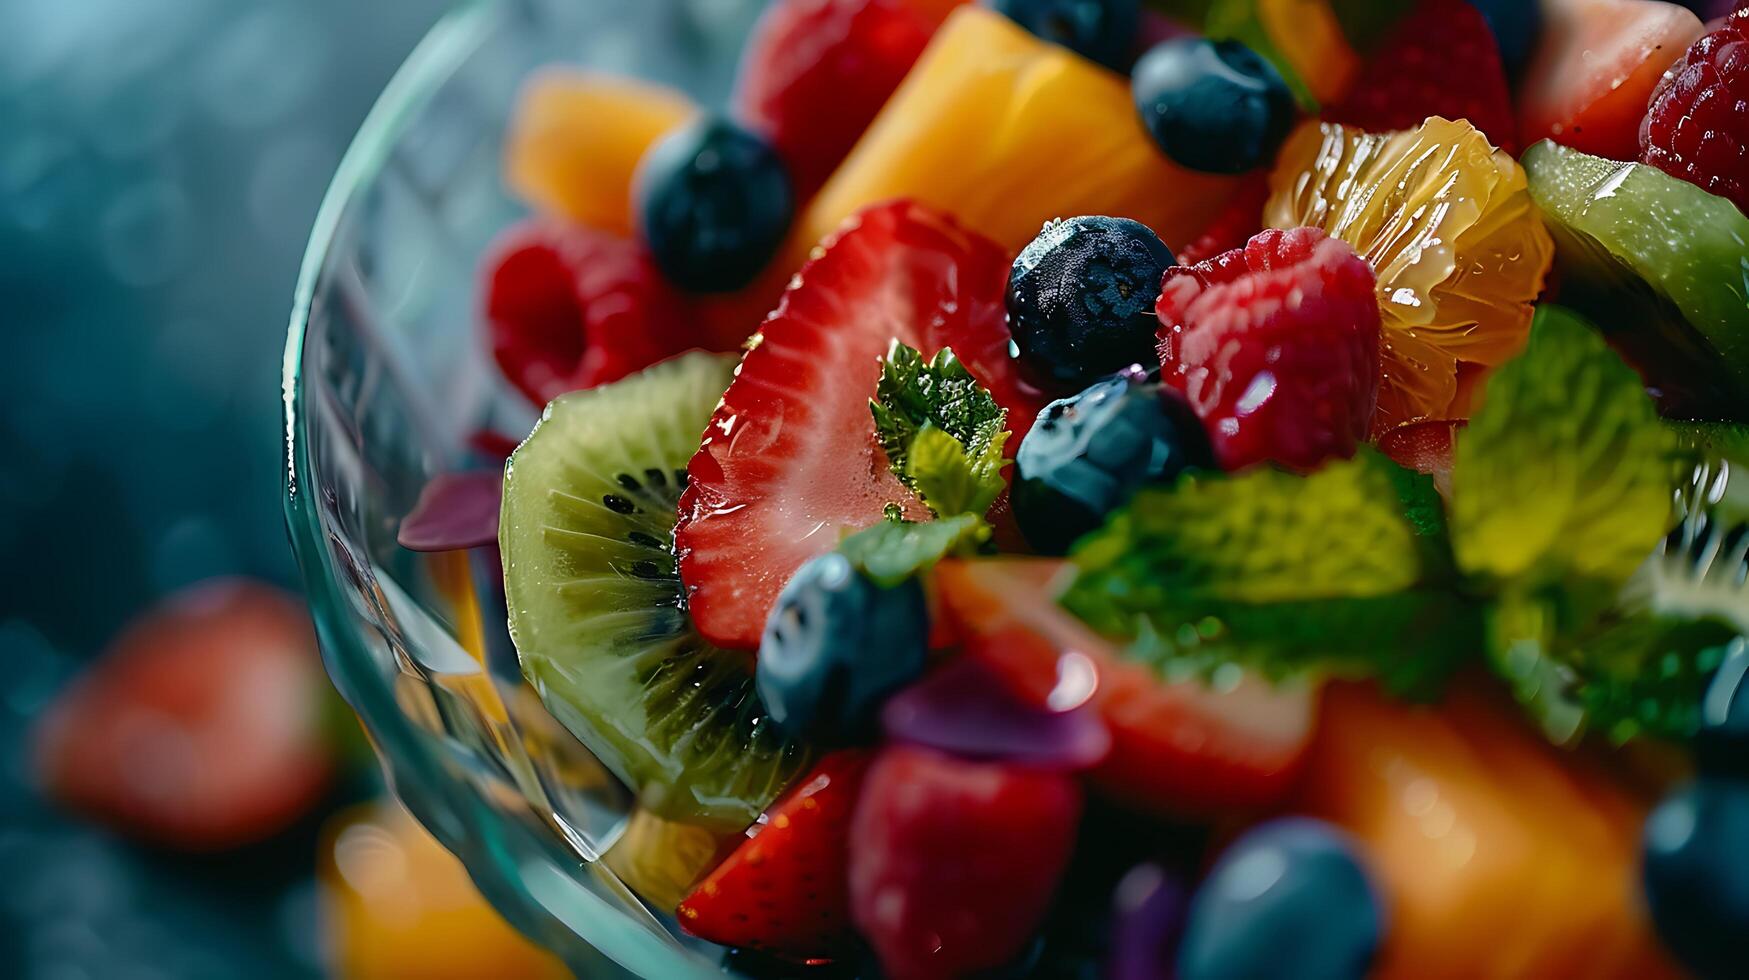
[[1564, 473], [1280, 573], [913, 393], [950, 481], [892, 551]]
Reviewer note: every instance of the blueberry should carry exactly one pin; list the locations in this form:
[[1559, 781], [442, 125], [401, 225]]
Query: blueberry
[[1288, 899], [1722, 745], [1099, 30], [714, 201], [1697, 875], [1213, 106], [1516, 25], [1081, 298], [1088, 454], [836, 646]]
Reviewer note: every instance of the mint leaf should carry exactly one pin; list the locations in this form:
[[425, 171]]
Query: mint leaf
[[1280, 573], [1564, 473], [948, 479], [892, 551], [913, 393]]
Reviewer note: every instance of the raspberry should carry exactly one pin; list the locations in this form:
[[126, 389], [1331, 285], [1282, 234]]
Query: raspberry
[[1441, 60], [1697, 127], [1276, 345]]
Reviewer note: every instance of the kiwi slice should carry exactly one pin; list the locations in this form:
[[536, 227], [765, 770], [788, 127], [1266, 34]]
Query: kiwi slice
[[1701, 568], [596, 606], [1661, 266]]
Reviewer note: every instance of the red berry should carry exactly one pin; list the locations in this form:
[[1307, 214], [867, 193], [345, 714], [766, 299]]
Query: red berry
[[815, 73], [569, 308], [1234, 226], [1441, 60], [1276, 346], [785, 891], [1697, 127], [1177, 747], [1424, 447], [789, 461], [952, 863], [202, 727]]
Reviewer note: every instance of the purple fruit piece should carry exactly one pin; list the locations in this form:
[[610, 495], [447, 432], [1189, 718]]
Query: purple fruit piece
[[1148, 912], [965, 710], [455, 512]]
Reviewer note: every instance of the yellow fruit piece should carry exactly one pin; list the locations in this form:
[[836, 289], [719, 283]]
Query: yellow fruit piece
[[1449, 227], [1304, 37], [576, 139], [396, 906], [1497, 854], [1005, 132], [662, 860]]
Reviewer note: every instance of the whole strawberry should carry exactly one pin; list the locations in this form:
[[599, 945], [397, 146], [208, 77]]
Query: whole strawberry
[[1697, 126], [952, 863], [1276, 345]]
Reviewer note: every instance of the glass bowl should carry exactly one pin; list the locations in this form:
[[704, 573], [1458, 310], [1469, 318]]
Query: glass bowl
[[386, 375]]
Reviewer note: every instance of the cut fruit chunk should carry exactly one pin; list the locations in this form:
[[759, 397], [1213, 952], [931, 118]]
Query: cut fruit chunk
[[1304, 39], [1447, 224], [1476, 826], [1593, 72], [1004, 132], [595, 602], [1661, 266], [790, 461], [1177, 746], [577, 138]]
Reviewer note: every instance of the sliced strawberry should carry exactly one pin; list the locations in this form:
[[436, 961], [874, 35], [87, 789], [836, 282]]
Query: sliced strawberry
[[815, 73], [1176, 747], [202, 728], [1424, 447], [1441, 60], [953, 863], [790, 460], [1592, 75], [569, 308], [784, 891]]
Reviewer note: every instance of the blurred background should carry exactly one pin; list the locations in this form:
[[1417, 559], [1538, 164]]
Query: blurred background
[[161, 162]]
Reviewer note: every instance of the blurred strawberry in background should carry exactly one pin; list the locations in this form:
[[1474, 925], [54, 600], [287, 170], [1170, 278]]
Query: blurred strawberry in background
[[206, 725]]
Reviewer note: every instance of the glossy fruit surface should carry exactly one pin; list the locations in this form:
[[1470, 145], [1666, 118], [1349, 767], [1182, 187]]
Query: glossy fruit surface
[[1656, 262], [714, 201], [1289, 898], [1457, 245], [790, 460], [1594, 70], [1004, 132], [595, 604], [1275, 347], [815, 72], [1212, 106], [1080, 298], [575, 141], [836, 646], [1697, 882], [202, 727], [1177, 746], [1697, 124], [963, 709], [1086, 456], [1304, 39], [953, 863], [1099, 30], [569, 308], [1472, 824], [785, 890], [395, 904], [1440, 60]]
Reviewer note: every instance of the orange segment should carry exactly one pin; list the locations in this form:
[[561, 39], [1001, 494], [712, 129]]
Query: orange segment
[[1004, 132], [1498, 854], [576, 139], [1449, 226], [396, 905]]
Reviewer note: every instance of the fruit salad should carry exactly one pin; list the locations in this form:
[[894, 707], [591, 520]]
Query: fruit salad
[[1222, 489]]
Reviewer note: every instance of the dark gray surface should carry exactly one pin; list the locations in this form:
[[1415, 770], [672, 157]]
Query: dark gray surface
[[160, 165]]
